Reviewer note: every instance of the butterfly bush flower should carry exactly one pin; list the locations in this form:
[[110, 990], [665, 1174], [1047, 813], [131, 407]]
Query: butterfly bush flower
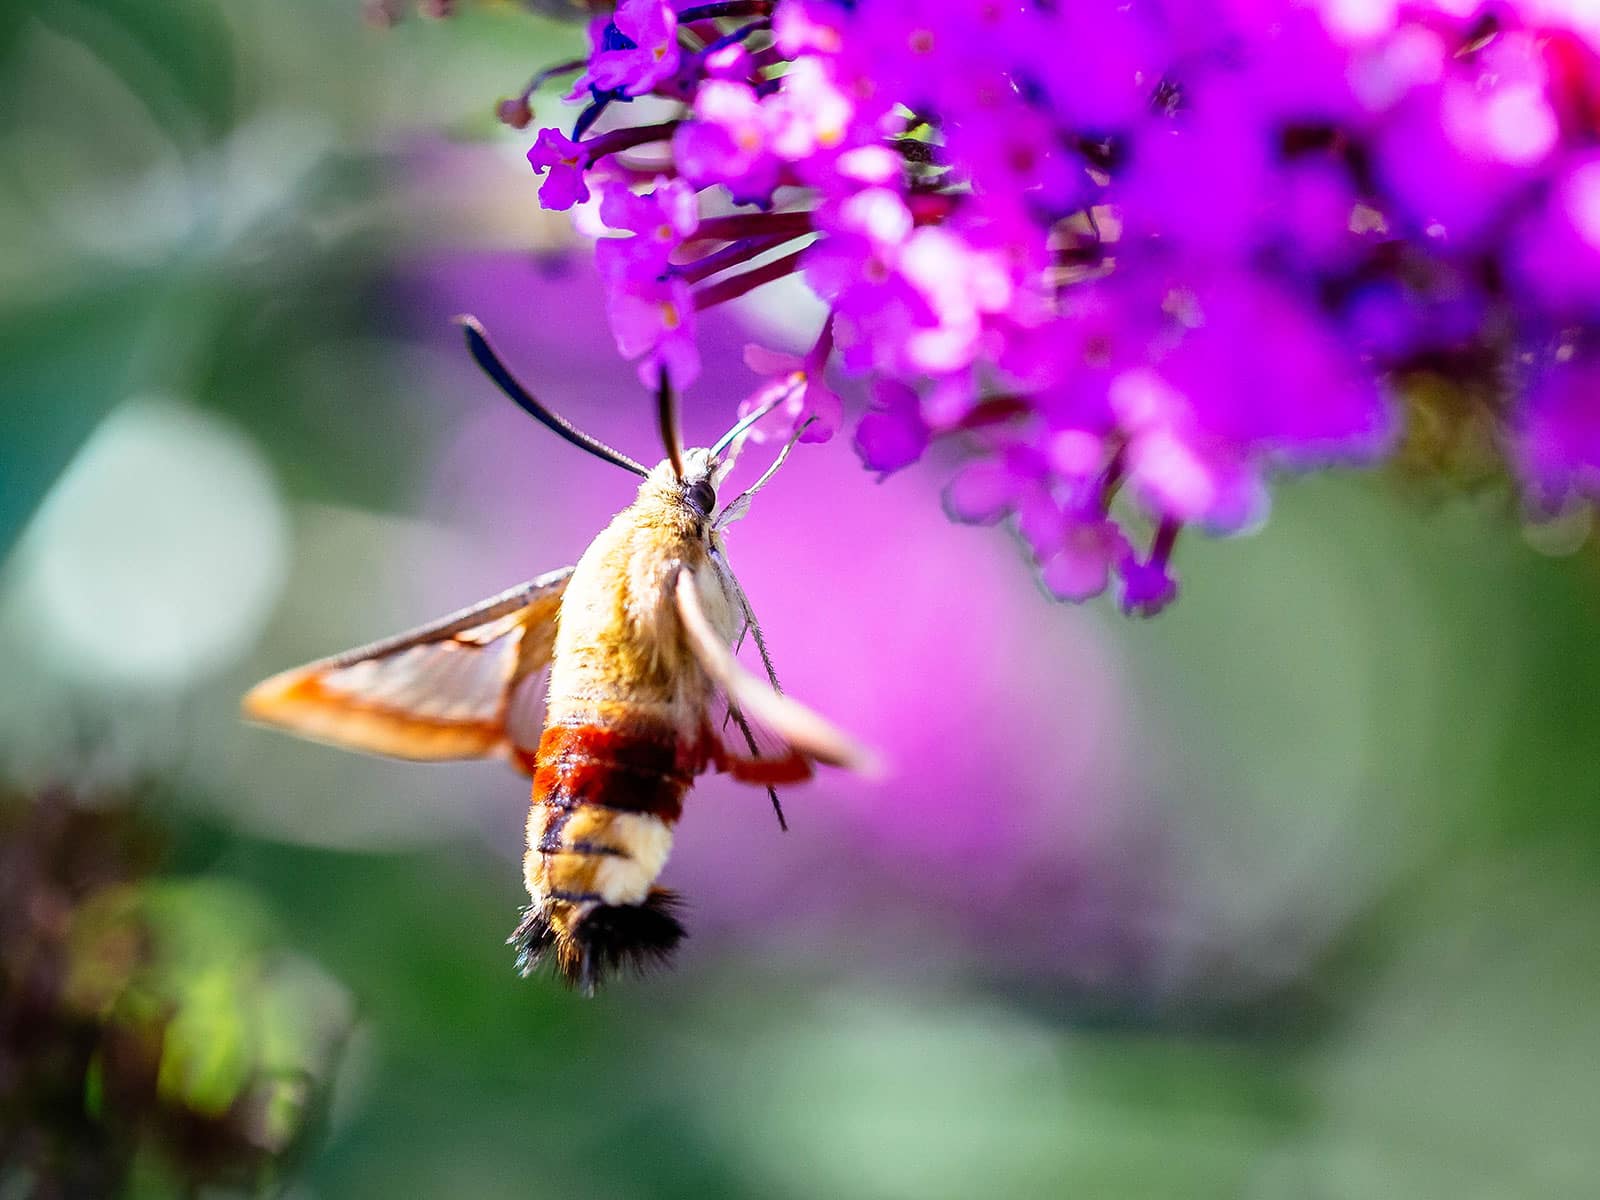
[[800, 401], [633, 51], [562, 161], [1558, 433], [651, 310], [894, 434], [1135, 258]]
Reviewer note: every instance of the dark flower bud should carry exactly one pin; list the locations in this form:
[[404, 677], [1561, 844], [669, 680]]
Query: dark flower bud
[[515, 112]]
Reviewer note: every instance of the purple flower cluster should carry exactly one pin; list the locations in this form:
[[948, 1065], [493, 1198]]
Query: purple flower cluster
[[1138, 253]]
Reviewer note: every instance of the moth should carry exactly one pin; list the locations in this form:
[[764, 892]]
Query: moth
[[633, 652]]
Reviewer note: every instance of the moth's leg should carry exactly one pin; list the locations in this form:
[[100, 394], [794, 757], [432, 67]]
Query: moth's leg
[[809, 737], [750, 740], [751, 624], [738, 645], [753, 627]]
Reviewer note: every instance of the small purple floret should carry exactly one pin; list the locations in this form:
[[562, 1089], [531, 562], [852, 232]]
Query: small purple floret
[[562, 162], [634, 52]]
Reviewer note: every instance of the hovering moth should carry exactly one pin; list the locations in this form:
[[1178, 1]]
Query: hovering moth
[[633, 650]]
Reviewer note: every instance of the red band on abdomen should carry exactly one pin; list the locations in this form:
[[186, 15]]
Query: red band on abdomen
[[630, 772]]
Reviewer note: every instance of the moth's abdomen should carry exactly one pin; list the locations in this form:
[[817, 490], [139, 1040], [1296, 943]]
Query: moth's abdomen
[[604, 804]]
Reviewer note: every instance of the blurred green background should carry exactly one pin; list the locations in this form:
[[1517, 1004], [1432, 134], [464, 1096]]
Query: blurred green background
[[1293, 892]]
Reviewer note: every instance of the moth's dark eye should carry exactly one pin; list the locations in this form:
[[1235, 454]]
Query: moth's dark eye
[[703, 497]]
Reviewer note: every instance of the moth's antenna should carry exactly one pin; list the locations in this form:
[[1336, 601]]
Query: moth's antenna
[[667, 410], [737, 507], [478, 344], [751, 418]]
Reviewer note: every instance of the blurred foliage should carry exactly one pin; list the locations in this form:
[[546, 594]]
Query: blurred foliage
[[151, 1039], [1451, 432]]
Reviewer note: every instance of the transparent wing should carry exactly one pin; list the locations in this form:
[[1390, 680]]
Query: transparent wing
[[752, 753], [467, 686], [779, 737]]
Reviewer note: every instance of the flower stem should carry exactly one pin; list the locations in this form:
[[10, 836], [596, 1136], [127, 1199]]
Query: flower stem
[[731, 289], [1111, 478], [738, 35], [732, 8], [732, 255], [626, 138], [993, 410], [822, 349], [588, 117], [1166, 539], [742, 225], [549, 73]]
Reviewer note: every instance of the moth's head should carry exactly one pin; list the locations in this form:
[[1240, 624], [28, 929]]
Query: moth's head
[[688, 479], [695, 492]]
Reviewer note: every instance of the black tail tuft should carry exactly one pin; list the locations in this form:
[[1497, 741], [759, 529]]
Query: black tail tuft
[[601, 942], [532, 939], [637, 936]]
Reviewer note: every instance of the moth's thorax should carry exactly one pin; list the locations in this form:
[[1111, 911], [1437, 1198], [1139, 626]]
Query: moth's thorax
[[619, 652]]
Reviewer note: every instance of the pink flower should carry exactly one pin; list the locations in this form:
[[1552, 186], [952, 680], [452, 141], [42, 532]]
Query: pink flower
[[857, 269], [1195, 482], [562, 162], [653, 320], [1557, 434], [804, 27], [634, 52], [812, 116], [1081, 568], [809, 398], [659, 220], [893, 435], [961, 284], [983, 492], [728, 143], [1147, 587], [730, 62]]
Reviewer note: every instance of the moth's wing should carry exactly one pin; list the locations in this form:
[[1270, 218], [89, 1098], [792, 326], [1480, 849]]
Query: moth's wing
[[777, 738], [750, 752], [467, 686]]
